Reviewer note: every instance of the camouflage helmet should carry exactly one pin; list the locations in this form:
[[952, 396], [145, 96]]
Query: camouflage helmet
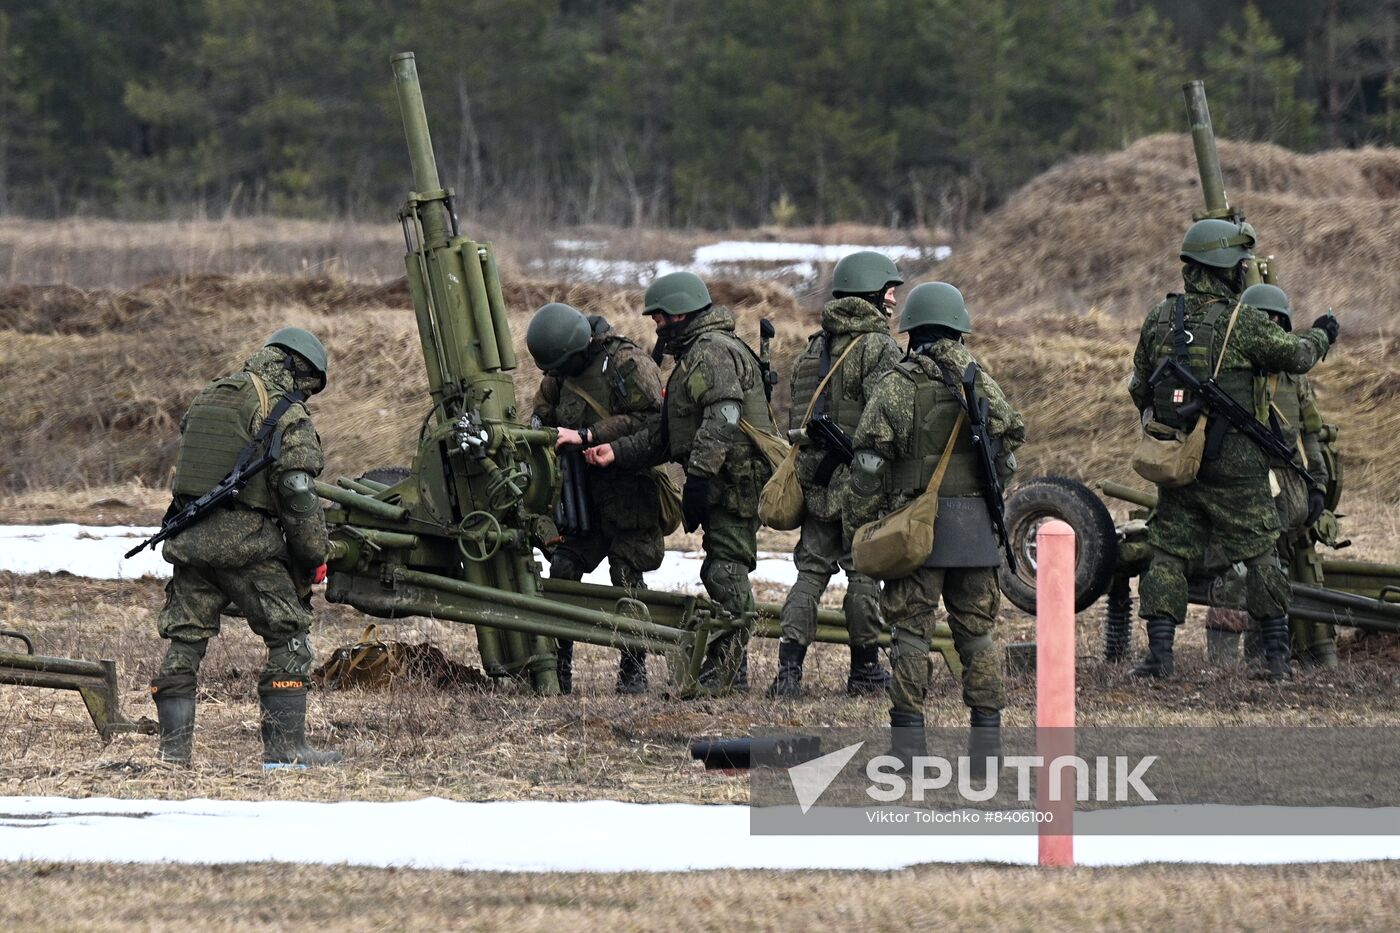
[[557, 333], [864, 273], [935, 303], [1219, 243], [677, 294], [304, 344], [1268, 298]]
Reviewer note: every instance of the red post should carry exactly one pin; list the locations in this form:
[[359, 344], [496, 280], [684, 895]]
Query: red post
[[1054, 685]]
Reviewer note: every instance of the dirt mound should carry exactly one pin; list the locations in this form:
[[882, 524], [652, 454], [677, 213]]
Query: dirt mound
[[96, 381], [1103, 231]]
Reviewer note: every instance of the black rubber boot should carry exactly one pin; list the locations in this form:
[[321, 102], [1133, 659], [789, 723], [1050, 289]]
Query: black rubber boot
[[866, 676], [907, 739], [631, 672], [788, 684], [1278, 648], [1159, 661], [983, 741], [176, 715], [284, 732], [564, 666]]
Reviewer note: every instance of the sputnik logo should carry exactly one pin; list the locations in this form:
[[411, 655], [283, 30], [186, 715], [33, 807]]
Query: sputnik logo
[[811, 778]]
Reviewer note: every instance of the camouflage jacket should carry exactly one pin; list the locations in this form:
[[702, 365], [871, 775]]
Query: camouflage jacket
[[236, 537], [1256, 346], [620, 376], [843, 320], [712, 366], [887, 424]]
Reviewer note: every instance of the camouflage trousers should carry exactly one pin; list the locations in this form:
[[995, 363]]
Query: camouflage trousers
[[1237, 521], [266, 595], [820, 551], [575, 557], [972, 598], [730, 542]]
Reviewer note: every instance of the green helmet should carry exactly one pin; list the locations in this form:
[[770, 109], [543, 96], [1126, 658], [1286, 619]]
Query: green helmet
[[557, 333], [1269, 298], [935, 303], [304, 344], [864, 273], [677, 294], [1219, 243]]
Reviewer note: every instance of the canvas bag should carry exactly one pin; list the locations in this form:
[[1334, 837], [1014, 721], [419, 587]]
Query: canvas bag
[[781, 505], [897, 544], [1168, 456], [667, 493]]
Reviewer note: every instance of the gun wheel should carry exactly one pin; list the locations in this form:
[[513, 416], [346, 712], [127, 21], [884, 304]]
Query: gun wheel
[[479, 536], [1030, 505]]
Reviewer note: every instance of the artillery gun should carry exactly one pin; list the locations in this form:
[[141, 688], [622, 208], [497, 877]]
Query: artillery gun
[[454, 536], [1358, 594]]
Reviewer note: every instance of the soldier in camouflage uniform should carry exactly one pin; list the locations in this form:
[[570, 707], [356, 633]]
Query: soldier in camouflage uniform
[[856, 320], [1299, 424], [599, 386], [1230, 505], [261, 554], [713, 395], [906, 425]]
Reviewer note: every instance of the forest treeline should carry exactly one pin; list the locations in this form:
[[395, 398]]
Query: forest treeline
[[657, 112]]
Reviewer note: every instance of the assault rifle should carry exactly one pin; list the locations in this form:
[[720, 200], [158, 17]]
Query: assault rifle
[[991, 486], [827, 435], [766, 333], [226, 490], [1218, 402]]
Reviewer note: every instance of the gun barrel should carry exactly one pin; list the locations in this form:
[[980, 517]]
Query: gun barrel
[[1207, 158], [436, 222]]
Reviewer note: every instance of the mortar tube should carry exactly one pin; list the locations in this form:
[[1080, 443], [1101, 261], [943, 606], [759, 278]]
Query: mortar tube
[[1207, 156]]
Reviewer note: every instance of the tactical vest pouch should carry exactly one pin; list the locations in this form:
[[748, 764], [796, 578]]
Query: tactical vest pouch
[[1167, 456], [780, 504], [899, 543], [670, 500]]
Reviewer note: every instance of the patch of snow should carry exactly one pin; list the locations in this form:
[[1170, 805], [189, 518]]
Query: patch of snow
[[593, 836], [96, 551]]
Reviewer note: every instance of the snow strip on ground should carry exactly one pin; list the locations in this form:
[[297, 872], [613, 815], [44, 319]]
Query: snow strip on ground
[[594, 836], [96, 551]]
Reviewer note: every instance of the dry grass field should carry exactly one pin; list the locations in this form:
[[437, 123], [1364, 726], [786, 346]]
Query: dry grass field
[[108, 330], [1154, 897]]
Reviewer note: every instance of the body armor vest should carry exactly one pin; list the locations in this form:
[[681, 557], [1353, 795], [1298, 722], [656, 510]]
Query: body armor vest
[[807, 374], [936, 408], [601, 381], [684, 414], [216, 431], [1204, 344], [1287, 399]]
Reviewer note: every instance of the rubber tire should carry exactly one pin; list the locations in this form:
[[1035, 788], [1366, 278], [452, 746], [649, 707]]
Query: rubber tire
[[1096, 538]]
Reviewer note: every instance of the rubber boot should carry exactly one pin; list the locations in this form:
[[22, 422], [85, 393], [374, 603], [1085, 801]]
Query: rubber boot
[[176, 715], [631, 671], [1278, 649], [284, 732], [564, 666], [866, 676], [983, 741], [788, 684], [1222, 647], [720, 654], [1159, 661], [907, 739]]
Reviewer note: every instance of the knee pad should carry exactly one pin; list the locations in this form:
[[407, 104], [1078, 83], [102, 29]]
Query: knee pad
[[292, 656], [970, 646]]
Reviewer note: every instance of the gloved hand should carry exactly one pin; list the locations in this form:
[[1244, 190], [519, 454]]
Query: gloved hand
[[695, 501], [1317, 501], [1329, 325]]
